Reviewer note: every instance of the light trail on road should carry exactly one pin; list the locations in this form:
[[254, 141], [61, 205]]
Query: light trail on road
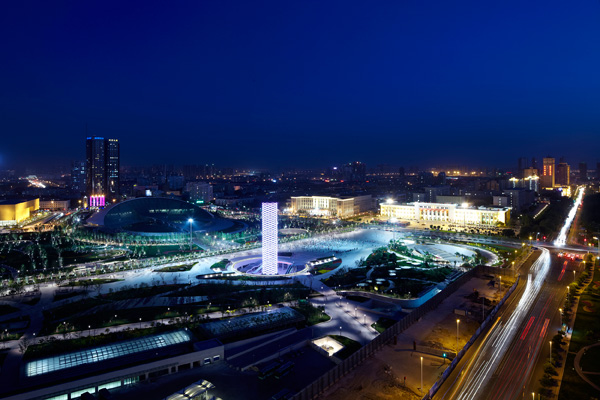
[[486, 360], [561, 240]]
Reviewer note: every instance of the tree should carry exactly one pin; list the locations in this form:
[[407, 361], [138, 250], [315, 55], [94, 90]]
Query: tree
[[24, 344]]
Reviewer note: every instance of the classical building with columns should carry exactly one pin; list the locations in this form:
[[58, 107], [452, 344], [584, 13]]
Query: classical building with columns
[[447, 213]]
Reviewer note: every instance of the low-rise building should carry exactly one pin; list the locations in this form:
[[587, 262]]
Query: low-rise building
[[55, 205], [324, 206], [447, 213], [14, 211]]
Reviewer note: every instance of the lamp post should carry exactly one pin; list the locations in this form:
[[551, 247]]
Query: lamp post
[[551, 352], [561, 317], [421, 388], [191, 221], [340, 331], [457, 324]]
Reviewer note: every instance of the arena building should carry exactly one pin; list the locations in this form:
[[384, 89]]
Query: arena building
[[447, 213], [158, 215]]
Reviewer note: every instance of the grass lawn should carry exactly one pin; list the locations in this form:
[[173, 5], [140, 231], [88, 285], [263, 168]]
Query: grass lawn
[[572, 386], [176, 268], [360, 299], [350, 346], [313, 314], [590, 362], [586, 331], [382, 324], [6, 309]]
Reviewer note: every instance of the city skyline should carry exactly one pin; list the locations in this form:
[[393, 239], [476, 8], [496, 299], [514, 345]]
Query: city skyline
[[282, 85]]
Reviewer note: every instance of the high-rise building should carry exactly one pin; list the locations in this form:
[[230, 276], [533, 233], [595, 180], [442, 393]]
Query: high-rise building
[[563, 170], [522, 164], [78, 177], [112, 152], [598, 170], [583, 175], [548, 173], [102, 167], [534, 163]]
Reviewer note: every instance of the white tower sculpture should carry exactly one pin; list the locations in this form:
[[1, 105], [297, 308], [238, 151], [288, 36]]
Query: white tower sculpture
[[269, 238]]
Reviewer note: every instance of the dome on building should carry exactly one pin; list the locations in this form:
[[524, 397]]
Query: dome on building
[[155, 214]]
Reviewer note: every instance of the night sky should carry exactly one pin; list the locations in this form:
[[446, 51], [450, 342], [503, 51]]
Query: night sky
[[301, 83]]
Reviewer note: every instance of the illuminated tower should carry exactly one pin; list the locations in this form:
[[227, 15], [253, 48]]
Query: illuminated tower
[[269, 238]]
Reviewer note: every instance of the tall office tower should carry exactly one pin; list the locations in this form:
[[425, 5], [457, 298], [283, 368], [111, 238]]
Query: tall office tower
[[563, 170], [102, 168], [112, 153], [95, 166], [78, 177], [269, 238], [583, 172], [522, 164], [548, 173], [534, 163], [598, 170]]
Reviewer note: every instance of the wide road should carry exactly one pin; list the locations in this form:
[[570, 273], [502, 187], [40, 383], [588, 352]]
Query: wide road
[[497, 366]]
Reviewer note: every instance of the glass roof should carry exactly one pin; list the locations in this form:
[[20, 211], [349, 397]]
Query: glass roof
[[106, 352]]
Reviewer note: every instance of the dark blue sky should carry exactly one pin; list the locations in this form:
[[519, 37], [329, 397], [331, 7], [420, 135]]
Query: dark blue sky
[[301, 83]]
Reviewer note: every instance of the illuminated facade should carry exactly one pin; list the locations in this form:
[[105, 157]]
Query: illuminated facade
[[14, 211], [324, 206], [269, 238], [547, 180], [447, 213]]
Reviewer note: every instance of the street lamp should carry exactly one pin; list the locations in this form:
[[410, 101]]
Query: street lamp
[[191, 221], [457, 325], [421, 388], [340, 331], [561, 317], [551, 352]]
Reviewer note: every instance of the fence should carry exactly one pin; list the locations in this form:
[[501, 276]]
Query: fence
[[317, 387]]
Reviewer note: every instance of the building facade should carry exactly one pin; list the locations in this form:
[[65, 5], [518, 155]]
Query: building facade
[[200, 192], [547, 180], [325, 206], [55, 205], [447, 213]]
